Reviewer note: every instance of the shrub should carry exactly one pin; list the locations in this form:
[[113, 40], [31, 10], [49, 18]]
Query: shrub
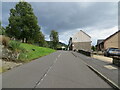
[[4, 40], [23, 57], [14, 46], [30, 41]]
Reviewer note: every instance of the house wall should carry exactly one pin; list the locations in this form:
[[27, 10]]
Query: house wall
[[82, 46], [81, 37], [80, 41], [113, 41], [119, 40], [100, 47]]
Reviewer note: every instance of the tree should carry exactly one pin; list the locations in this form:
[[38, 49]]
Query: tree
[[23, 24], [54, 39], [40, 39], [93, 48], [2, 29]]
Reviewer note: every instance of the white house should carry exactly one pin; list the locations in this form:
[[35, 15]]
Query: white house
[[80, 41]]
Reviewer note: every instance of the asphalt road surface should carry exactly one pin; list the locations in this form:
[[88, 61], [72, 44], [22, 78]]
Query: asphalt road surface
[[57, 70], [106, 68]]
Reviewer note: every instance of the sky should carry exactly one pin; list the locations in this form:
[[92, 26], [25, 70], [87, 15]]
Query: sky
[[98, 19]]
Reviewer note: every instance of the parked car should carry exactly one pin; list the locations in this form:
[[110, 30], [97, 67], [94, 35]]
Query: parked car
[[112, 52], [116, 60]]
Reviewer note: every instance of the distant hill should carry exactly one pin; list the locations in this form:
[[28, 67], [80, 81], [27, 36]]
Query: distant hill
[[59, 45], [62, 44]]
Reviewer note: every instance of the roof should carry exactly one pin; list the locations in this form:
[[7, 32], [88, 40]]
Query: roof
[[100, 41], [112, 35], [85, 33]]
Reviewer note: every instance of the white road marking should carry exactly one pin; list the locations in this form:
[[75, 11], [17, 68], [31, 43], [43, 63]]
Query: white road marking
[[110, 67], [108, 80], [59, 55], [39, 82], [45, 74]]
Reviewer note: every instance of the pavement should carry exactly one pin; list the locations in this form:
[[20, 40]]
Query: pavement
[[57, 70], [102, 58], [109, 70], [7, 65]]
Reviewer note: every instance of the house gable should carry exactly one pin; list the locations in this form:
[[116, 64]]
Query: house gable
[[81, 37], [113, 41]]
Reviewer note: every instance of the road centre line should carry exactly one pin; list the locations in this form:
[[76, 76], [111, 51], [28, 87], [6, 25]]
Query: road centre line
[[59, 55], [40, 81]]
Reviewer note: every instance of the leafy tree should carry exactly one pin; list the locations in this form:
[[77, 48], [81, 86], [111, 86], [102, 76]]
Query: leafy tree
[[41, 40], [2, 30], [23, 24], [54, 38], [93, 48]]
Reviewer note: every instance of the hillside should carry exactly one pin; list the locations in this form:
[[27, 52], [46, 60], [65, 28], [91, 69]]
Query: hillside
[[34, 52]]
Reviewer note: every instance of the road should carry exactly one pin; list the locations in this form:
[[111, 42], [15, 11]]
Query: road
[[57, 70], [106, 68]]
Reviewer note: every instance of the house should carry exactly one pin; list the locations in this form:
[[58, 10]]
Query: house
[[70, 44], [80, 41], [112, 41], [100, 45]]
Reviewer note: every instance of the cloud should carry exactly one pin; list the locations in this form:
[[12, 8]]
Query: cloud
[[6, 6], [62, 0], [95, 34], [69, 17], [102, 34], [66, 16]]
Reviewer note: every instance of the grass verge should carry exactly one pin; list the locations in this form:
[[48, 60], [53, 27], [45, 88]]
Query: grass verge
[[34, 52]]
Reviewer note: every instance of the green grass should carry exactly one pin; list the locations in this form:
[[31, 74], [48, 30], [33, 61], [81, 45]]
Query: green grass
[[31, 55], [2, 69]]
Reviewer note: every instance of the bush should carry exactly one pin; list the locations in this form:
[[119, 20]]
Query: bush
[[23, 57], [14, 46], [4, 40], [17, 51], [30, 41]]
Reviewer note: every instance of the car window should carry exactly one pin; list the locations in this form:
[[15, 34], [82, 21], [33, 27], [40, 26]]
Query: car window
[[112, 50], [118, 50]]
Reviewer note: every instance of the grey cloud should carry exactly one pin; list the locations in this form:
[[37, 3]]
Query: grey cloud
[[6, 6], [66, 16]]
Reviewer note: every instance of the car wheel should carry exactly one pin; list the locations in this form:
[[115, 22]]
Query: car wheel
[[107, 55], [113, 62]]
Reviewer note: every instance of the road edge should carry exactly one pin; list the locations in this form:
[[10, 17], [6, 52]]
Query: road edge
[[111, 83]]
